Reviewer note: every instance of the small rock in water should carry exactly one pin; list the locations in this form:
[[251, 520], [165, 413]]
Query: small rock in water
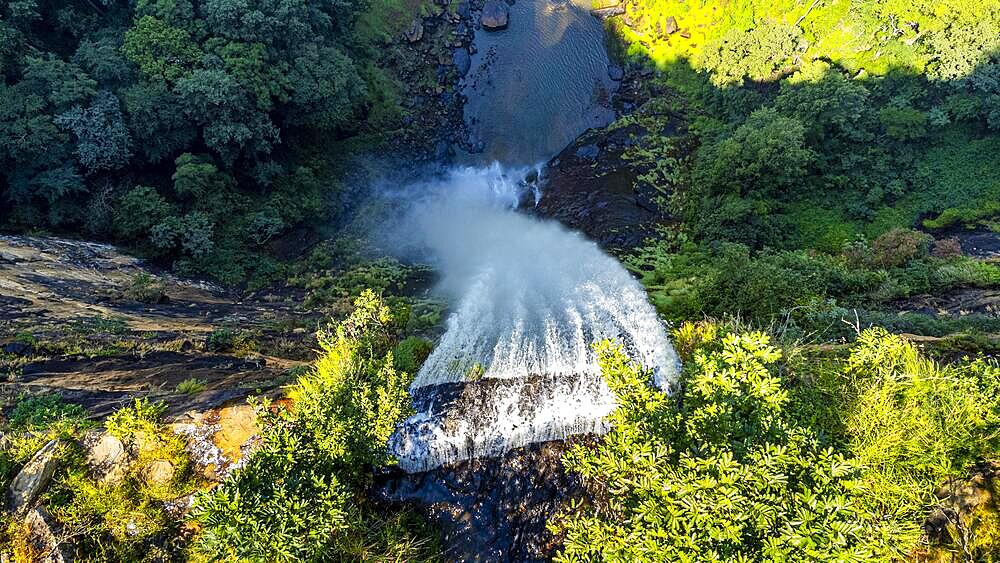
[[616, 73], [462, 60], [415, 32], [495, 14]]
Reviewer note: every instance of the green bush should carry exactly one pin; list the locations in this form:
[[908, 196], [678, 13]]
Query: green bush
[[898, 247], [913, 424], [191, 386], [817, 457], [300, 496], [721, 472], [410, 354], [127, 519], [144, 288]]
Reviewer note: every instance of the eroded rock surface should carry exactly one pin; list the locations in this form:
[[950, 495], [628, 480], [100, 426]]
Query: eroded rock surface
[[588, 188], [44, 541], [68, 326], [493, 509]]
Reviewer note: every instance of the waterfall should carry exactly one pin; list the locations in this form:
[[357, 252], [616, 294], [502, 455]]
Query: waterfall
[[516, 365]]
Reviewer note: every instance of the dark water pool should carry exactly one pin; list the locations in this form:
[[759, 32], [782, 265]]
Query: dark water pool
[[539, 83]]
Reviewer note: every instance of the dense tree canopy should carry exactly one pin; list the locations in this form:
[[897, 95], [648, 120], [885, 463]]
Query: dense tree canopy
[[188, 109]]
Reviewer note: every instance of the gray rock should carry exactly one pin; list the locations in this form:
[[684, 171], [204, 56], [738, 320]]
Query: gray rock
[[416, 31], [462, 60], [107, 458], [616, 73], [33, 477], [495, 15], [44, 539], [609, 10], [17, 348]]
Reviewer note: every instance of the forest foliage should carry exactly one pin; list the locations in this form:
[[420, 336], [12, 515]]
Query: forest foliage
[[194, 130], [828, 154], [760, 457]]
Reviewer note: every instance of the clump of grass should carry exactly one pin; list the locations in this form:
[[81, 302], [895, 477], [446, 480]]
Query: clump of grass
[[239, 342], [191, 386], [144, 288]]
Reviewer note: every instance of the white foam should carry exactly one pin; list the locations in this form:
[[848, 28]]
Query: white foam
[[529, 298]]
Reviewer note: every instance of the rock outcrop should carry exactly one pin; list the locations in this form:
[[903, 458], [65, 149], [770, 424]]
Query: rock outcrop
[[588, 188], [33, 477], [493, 509], [42, 541]]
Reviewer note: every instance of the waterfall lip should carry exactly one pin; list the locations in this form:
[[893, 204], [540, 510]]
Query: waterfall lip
[[528, 297]]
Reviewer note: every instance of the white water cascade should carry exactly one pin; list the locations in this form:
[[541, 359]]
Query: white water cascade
[[529, 298]]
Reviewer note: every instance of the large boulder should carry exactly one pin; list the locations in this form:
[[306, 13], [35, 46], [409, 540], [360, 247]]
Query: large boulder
[[495, 15], [33, 477], [106, 457]]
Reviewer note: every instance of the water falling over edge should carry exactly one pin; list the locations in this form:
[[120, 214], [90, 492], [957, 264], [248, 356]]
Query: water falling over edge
[[516, 365]]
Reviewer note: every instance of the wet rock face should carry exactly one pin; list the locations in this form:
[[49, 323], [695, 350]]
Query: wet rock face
[[485, 418], [493, 509], [589, 188]]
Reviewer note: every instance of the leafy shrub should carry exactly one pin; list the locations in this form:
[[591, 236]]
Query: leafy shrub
[[190, 234], [300, 495], [34, 413], [141, 417], [138, 211], [191, 386], [144, 288], [946, 248], [899, 246], [239, 342], [914, 424], [726, 475], [756, 53], [410, 354], [124, 520], [903, 123]]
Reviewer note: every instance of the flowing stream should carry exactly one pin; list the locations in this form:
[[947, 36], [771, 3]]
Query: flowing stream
[[528, 297]]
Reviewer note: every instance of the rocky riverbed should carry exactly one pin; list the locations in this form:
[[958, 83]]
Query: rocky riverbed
[[101, 327]]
